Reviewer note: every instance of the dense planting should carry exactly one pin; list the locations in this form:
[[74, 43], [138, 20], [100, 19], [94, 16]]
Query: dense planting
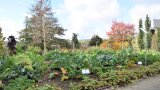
[[117, 77], [97, 60], [107, 68], [28, 64]]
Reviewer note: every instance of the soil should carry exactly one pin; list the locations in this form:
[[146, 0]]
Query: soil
[[152, 83], [64, 85]]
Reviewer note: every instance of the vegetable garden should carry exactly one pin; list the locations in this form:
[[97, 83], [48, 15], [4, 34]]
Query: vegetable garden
[[41, 60], [62, 70]]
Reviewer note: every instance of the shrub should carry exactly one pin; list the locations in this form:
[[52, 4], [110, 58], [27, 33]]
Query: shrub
[[29, 64], [21, 83], [35, 50], [86, 84], [97, 60], [117, 77], [152, 56], [95, 41]]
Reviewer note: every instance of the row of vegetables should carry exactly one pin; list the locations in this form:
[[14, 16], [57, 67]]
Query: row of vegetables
[[116, 78], [97, 61], [31, 67]]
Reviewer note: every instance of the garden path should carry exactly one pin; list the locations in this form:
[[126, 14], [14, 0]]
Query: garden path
[[152, 83]]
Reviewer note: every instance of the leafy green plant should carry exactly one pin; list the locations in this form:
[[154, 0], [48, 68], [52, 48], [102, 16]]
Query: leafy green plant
[[21, 83], [32, 65], [117, 77], [152, 56], [74, 86], [1, 85], [51, 75], [86, 84], [97, 60]]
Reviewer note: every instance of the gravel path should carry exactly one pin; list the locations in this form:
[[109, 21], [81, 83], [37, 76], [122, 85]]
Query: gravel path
[[152, 83]]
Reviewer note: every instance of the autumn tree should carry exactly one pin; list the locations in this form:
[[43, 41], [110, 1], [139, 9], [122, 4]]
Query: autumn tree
[[147, 28], [95, 41], [75, 41], [141, 35], [44, 26], [121, 32]]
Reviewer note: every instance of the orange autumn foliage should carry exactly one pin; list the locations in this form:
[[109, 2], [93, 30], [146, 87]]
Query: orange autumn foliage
[[114, 45], [104, 44], [118, 45], [120, 35], [63, 70]]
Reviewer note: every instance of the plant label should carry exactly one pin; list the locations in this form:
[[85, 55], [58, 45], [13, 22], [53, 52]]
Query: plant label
[[85, 71], [139, 63]]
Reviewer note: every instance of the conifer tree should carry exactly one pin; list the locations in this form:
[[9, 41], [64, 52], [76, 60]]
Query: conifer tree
[[1, 43], [149, 35], [141, 35]]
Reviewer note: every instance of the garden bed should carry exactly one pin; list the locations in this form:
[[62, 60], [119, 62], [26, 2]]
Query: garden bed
[[63, 69]]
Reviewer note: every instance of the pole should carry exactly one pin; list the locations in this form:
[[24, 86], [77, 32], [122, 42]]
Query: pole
[[73, 46], [146, 49], [96, 43], [146, 45], [123, 48], [26, 33]]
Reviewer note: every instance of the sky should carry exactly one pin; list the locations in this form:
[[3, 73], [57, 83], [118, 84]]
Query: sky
[[85, 17]]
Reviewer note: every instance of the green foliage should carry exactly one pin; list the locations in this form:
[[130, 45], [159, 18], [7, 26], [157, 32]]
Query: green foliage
[[25, 35], [141, 35], [20, 48], [149, 35], [48, 87], [74, 62], [21, 83], [73, 86], [86, 84], [33, 49], [59, 43], [98, 60], [42, 31], [51, 75], [1, 43], [18, 65], [1, 85], [95, 41], [117, 77], [75, 40], [152, 56], [38, 64], [30, 64]]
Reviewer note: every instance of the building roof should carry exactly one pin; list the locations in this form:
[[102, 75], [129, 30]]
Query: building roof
[[156, 23]]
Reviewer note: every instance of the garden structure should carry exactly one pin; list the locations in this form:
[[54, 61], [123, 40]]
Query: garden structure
[[155, 43]]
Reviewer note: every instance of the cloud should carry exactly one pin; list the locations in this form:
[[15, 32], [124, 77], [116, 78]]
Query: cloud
[[1, 9], [10, 27], [140, 10], [89, 17], [147, 2]]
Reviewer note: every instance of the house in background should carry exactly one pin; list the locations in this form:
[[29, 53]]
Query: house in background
[[155, 30]]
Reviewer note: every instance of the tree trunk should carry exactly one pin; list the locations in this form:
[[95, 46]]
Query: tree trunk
[[44, 37]]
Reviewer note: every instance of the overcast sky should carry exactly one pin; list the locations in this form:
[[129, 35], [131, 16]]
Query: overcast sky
[[85, 17]]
